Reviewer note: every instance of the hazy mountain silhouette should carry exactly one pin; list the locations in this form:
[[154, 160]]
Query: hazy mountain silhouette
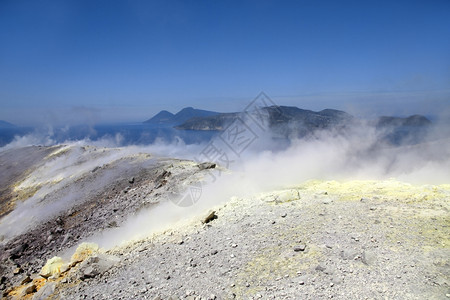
[[277, 116], [167, 118], [415, 120], [293, 122]]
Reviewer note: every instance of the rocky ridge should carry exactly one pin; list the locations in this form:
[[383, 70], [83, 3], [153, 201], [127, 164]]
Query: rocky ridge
[[106, 188]]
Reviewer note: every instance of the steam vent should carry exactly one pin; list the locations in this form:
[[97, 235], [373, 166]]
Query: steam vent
[[85, 222]]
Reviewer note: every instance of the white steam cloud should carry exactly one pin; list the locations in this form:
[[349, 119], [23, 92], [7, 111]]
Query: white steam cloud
[[357, 154], [326, 156]]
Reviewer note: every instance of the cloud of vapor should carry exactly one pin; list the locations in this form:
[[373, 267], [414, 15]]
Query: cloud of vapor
[[327, 155], [267, 163], [56, 184], [55, 178]]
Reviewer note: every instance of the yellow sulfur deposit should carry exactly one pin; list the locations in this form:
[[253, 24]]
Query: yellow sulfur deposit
[[391, 189], [52, 267], [84, 251]]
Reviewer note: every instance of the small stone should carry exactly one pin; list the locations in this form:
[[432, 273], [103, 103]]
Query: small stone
[[211, 215], [17, 270], [324, 269], [320, 268], [284, 215], [206, 166], [234, 245], [26, 279], [131, 180], [336, 280], [368, 257], [299, 248], [31, 288], [49, 238], [301, 282], [349, 254]]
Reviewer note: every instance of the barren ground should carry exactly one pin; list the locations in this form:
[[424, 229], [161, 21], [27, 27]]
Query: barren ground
[[317, 240]]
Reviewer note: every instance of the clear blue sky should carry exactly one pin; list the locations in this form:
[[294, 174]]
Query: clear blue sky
[[126, 60]]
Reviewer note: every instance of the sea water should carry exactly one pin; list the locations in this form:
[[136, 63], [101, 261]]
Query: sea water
[[122, 134]]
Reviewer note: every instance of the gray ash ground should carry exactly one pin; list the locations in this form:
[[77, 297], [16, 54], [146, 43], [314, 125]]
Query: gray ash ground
[[318, 240], [300, 243]]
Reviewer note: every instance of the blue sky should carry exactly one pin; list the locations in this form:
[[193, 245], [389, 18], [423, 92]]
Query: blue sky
[[126, 60]]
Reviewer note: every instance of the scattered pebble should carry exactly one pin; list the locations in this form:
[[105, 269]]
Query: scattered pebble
[[299, 248]]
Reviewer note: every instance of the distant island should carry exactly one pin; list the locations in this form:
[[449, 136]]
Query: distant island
[[293, 122], [167, 118], [277, 117], [197, 119]]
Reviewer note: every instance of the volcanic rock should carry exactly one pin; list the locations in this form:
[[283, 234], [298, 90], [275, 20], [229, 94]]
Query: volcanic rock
[[45, 291], [206, 166], [211, 215], [97, 264]]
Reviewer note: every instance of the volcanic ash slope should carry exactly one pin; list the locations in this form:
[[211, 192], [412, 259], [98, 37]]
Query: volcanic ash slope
[[54, 198], [321, 239]]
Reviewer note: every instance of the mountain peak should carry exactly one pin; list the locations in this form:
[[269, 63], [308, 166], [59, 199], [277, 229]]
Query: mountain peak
[[189, 108], [162, 117], [165, 117]]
